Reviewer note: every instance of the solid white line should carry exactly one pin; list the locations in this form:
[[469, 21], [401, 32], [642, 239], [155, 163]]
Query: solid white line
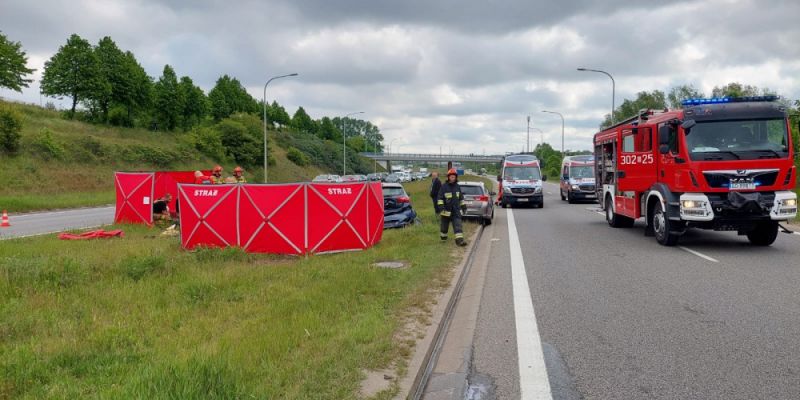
[[796, 233], [50, 232], [533, 380], [699, 254]]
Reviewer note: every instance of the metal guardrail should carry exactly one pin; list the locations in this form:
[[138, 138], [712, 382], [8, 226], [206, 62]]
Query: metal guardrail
[[433, 157]]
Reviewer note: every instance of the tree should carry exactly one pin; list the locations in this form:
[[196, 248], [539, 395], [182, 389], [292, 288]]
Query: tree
[[238, 143], [168, 100], [328, 131], [114, 82], [13, 65], [278, 115], [195, 104], [229, 96], [736, 89], [73, 71], [679, 93], [139, 96], [630, 108], [302, 122]]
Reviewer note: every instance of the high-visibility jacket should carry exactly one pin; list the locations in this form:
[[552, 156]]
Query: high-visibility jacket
[[217, 180], [450, 199], [240, 179]]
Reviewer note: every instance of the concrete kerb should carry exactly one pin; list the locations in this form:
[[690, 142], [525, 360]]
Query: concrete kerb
[[423, 351]]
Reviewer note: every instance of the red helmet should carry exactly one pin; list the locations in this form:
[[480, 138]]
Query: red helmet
[[218, 169], [452, 171], [237, 170]]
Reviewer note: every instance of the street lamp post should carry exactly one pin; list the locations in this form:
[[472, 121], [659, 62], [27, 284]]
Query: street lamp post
[[613, 89], [265, 119], [562, 129], [391, 142], [528, 141], [344, 141]]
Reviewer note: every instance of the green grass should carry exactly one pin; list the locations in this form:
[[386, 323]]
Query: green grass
[[32, 202], [138, 317]]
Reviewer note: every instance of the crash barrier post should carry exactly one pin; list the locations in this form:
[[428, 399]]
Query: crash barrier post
[[297, 218], [136, 192]]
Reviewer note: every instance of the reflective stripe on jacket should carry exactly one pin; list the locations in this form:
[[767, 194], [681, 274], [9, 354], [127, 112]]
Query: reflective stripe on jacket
[[450, 199]]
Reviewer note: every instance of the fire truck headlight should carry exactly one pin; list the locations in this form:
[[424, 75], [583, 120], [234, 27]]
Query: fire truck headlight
[[790, 202], [689, 204]]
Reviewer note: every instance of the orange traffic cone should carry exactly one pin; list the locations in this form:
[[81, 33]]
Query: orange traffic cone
[[5, 222]]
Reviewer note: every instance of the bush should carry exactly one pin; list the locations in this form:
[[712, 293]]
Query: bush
[[209, 142], [296, 156], [46, 147], [10, 130], [118, 116]]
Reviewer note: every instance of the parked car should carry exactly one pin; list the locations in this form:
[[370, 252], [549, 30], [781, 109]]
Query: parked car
[[393, 178], [479, 201], [354, 178], [327, 178], [397, 209], [374, 177]]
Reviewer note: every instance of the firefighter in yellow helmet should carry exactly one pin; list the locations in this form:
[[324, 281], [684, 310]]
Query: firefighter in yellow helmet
[[451, 204], [237, 175], [216, 175]]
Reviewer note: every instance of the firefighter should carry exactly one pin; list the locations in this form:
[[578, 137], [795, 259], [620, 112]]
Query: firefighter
[[436, 185], [451, 204], [216, 175], [237, 175]]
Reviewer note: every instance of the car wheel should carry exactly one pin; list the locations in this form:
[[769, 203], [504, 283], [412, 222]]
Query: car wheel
[[662, 227], [570, 200], [561, 192], [487, 221], [764, 233], [615, 220]]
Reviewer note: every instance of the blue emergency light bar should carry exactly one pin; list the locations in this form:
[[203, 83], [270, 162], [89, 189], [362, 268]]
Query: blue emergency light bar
[[721, 100]]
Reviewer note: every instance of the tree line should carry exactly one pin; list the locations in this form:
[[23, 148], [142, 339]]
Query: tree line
[[113, 88]]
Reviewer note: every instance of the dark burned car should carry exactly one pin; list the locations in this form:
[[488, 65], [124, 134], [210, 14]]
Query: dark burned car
[[397, 209]]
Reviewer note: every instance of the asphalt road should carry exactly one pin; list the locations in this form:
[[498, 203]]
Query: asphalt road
[[622, 317], [56, 221]]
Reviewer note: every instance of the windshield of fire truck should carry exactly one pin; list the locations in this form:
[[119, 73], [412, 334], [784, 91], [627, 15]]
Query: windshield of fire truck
[[581, 172], [738, 140], [521, 174]]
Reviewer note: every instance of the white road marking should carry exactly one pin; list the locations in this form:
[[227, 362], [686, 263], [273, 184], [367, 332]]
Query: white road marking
[[549, 192], [699, 254], [796, 233], [49, 233], [533, 380]]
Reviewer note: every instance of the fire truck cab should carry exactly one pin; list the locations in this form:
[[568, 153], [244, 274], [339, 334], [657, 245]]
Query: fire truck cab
[[724, 164], [577, 179]]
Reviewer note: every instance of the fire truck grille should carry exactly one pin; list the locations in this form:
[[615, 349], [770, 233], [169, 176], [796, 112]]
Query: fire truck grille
[[587, 188], [723, 180], [522, 190]]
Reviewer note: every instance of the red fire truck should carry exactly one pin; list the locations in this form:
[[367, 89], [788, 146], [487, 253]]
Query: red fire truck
[[724, 164]]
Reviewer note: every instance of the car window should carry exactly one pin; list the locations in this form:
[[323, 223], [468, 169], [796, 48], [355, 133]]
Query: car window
[[393, 191], [472, 190]]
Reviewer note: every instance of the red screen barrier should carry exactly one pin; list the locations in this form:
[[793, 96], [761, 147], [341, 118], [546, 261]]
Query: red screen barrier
[[134, 197], [167, 182], [282, 219]]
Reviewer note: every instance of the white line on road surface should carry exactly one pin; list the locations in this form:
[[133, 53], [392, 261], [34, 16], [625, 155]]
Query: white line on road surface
[[533, 380], [549, 192], [699, 254], [796, 233]]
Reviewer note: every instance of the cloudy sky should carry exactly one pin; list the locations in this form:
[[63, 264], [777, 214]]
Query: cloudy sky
[[460, 74]]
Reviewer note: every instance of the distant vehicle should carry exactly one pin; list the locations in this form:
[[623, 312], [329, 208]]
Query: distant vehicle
[[405, 176], [393, 178], [479, 201], [327, 178], [420, 175], [424, 170], [397, 209], [521, 181], [577, 179], [374, 177], [354, 178]]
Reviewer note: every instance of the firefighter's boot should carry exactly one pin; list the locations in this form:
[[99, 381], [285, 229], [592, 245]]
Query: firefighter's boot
[[461, 242]]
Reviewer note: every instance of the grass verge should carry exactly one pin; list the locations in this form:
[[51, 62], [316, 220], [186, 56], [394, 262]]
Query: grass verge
[[138, 317]]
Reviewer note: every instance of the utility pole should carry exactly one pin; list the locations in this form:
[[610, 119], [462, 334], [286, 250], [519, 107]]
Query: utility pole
[[265, 119]]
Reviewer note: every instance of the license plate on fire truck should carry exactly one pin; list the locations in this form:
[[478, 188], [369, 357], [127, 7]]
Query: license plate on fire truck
[[743, 186]]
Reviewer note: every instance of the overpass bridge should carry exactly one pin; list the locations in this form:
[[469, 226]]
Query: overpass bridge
[[440, 158]]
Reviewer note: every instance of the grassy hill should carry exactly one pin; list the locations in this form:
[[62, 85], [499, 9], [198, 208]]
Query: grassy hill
[[65, 163]]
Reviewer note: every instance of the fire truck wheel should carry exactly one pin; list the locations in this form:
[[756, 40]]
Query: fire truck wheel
[[614, 219], [662, 227], [764, 233]]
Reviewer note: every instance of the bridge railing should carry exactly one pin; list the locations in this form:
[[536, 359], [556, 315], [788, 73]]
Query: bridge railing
[[442, 157]]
